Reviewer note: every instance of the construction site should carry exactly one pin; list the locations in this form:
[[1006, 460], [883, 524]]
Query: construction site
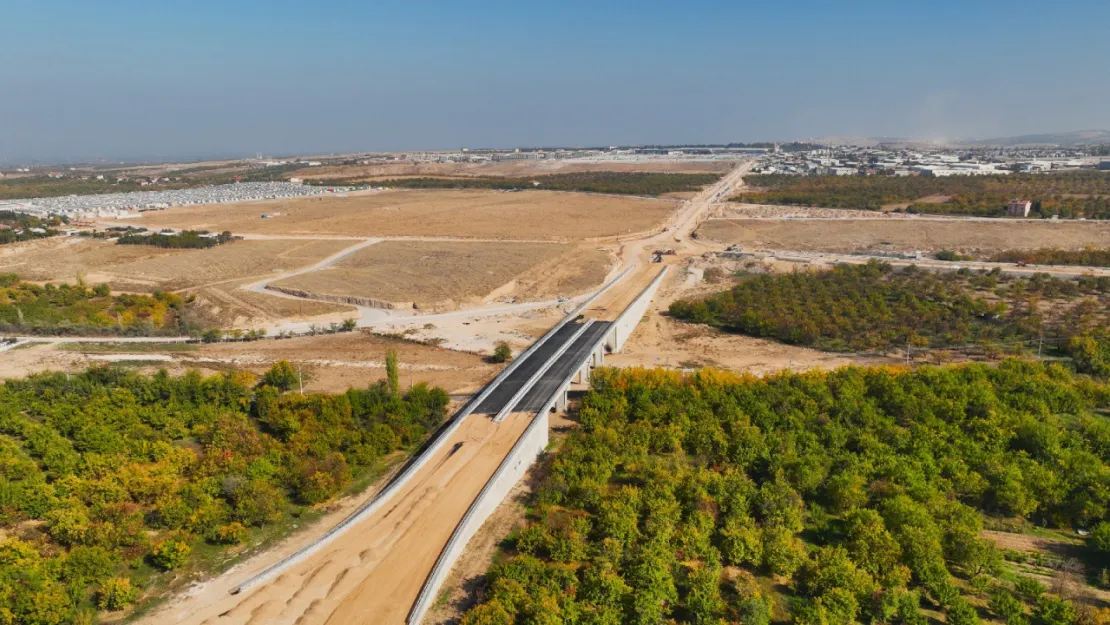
[[570, 281]]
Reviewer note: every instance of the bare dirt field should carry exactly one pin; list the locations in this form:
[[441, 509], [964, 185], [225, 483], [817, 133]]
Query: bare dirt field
[[146, 268], [509, 168], [660, 341], [546, 215], [331, 363], [226, 305], [238, 260], [847, 235], [63, 259], [447, 274]]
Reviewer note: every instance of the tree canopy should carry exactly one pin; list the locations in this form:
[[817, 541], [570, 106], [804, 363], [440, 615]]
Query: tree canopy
[[838, 497], [108, 477]]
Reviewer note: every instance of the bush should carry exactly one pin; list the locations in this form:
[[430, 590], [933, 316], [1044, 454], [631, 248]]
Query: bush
[[231, 534], [170, 554], [501, 352], [115, 594]]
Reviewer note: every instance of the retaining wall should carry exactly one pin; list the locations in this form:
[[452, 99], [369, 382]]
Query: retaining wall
[[369, 302], [630, 318], [527, 448]]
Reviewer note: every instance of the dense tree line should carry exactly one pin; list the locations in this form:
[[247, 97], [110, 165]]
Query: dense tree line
[[16, 227], [108, 477], [186, 239], [44, 186], [30, 308], [622, 183], [1089, 257], [1069, 195], [855, 496], [878, 307]]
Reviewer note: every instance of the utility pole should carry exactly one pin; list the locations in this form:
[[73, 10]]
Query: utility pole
[[1040, 344], [300, 380]]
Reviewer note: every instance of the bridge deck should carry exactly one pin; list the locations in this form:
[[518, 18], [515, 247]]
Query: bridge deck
[[564, 366]]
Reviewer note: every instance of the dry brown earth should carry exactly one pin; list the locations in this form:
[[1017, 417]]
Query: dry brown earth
[[225, 305], [546, 215], [848, 235], [331, 363], [446, 274], [146, 268]]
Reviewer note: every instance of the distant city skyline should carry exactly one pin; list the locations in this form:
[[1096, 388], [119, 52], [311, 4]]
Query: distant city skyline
[[123, 79]]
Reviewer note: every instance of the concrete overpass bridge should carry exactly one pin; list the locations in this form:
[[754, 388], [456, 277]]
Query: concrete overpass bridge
[[386, 562]]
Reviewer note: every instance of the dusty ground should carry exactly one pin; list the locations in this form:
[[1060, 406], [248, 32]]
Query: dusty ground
[[145, 268], [459, 590], [331, 363], [189, 269], [378, 566], [509, 168], [226, 305], [663, 342], [847, 235], [63, 259], [546, 215], [440, 274]]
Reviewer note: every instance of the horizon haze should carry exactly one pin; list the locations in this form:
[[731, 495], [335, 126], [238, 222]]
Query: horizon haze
[[121, 80]]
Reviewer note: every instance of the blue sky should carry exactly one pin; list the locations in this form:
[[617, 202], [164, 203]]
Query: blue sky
[[129, 79]]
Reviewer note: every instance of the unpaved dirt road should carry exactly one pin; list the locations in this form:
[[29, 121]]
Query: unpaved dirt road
[[373, 572]]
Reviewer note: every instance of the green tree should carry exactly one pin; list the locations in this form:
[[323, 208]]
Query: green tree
[[960, 612], [115, 594], [282, 376], [170, 553], [783, 553], [393, 372], [1007, 607], [1054, 611], [703, 596], [501, 352]]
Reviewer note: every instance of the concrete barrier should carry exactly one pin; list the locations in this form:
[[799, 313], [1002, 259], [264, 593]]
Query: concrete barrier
[[627, 321], [523, 454], [527, 386], [417, 463]]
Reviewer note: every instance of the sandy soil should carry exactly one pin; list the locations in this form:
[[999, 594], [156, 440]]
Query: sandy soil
[[510, 168], [431, 274], [226, 305], [663, 342], [63, 259], [337, 361], [233, 261], [374, 571], [458, 592], [846, 235], [331, 363], [145, 268], [544, 215]]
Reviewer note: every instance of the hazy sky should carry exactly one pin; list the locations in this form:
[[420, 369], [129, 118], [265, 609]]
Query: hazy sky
[[131, 79]]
